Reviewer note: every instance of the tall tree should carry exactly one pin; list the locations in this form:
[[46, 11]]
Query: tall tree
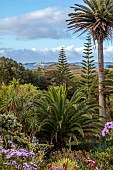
[[87, 83], [63, 71], [96, 16]]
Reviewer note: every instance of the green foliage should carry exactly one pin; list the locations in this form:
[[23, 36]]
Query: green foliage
[[66, 163], [105, 159], [108, 92], [15, 96], [12, 130], [88, 83], [61, 118], [79, 157], [19, 99], [53, 79], [16, 157], [63, 72], [10, 69], [66, 153], [88, 64]]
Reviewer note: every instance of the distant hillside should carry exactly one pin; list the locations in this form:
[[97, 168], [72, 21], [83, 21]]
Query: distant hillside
[[35, 65], [74, 69]]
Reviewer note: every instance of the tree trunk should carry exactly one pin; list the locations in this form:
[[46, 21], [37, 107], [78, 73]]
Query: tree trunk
[[101, 79]]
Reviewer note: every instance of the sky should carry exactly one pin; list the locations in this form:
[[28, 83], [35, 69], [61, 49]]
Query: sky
[[35, 31]]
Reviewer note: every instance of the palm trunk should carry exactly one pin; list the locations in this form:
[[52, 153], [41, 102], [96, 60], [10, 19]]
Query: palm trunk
[[101, 79]]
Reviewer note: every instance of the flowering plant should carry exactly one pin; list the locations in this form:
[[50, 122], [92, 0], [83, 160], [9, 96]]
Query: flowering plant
[[50, 167], [14, 158], [91, 163], [107, 127], [63, 164]]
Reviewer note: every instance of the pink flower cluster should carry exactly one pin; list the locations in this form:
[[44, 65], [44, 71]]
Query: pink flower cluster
[[92, 163], [107, 127]]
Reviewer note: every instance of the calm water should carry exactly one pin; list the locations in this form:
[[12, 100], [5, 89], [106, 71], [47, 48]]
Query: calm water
[[34, 66], [106, 64]]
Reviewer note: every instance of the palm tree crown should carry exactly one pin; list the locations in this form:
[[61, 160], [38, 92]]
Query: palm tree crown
[[96, 17]]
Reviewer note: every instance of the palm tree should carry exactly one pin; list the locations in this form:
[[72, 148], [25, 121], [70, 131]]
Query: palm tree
[[96, 16], [62, 119]]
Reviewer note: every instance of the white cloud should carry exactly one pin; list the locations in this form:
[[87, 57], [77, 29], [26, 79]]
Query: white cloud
[[108, 53], [79, 50], [108, 49], [73, 54], [57, 48], [2, 51], [69, 48], [36, 55], [45, 23], [34, 49]]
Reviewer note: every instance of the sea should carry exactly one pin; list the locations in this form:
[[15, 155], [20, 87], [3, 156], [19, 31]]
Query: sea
[[35, 65]]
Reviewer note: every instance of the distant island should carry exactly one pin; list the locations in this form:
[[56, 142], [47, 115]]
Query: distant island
[[35, 65]]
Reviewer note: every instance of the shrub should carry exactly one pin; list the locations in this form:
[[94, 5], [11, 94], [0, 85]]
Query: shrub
[[19, 158]]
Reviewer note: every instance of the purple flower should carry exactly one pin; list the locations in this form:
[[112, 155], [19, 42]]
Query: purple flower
[[57, 168], [33, 164], [31, 154], [10, 142], [22, 150], [103, 133], [27, 166], [24, 154], [1, 142], [12, 145], [13, 153], [4, 151], [14, 163], [108, 126]]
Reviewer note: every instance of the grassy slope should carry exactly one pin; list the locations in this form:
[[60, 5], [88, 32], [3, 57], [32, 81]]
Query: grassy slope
[[76, 70]]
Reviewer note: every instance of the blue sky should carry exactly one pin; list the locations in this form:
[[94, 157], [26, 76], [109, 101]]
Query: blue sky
[[35, 30]]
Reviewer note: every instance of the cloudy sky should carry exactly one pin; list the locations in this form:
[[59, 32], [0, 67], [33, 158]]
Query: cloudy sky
[[35, 31]]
